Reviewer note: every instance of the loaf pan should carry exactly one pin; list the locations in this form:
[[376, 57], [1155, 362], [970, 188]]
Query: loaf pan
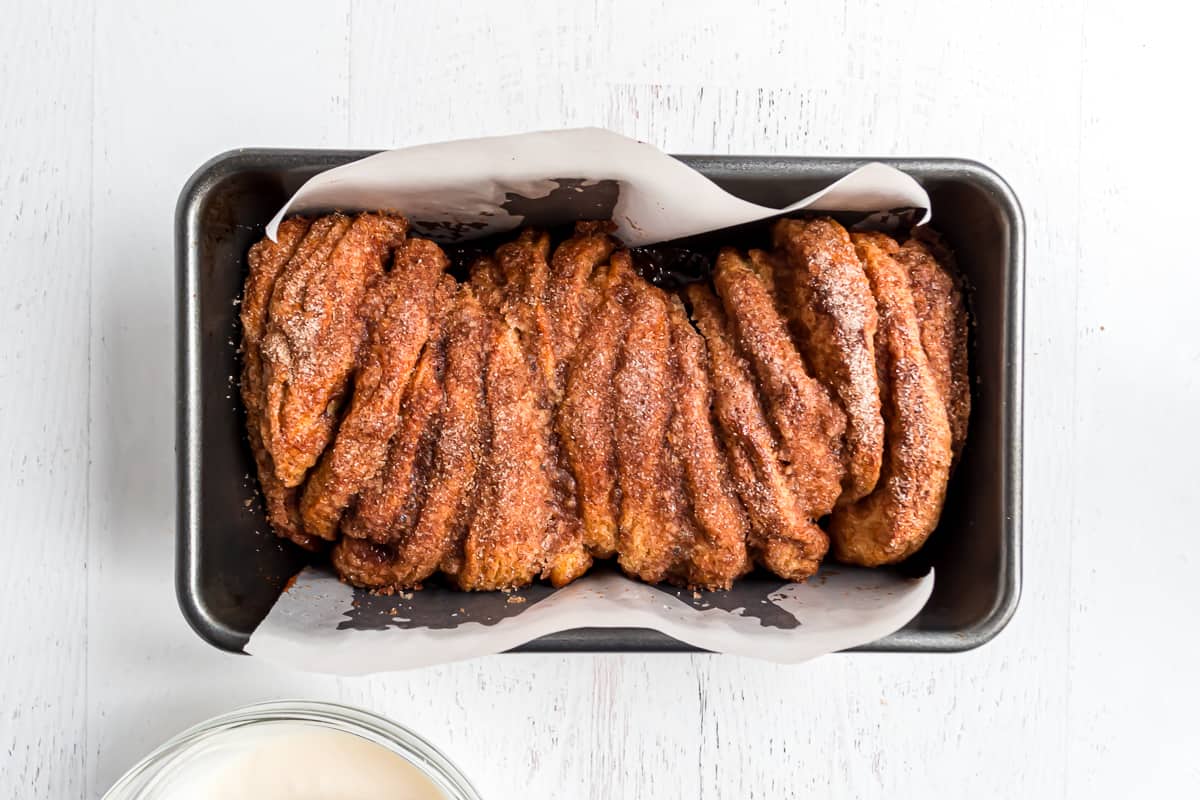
[[230, 568]]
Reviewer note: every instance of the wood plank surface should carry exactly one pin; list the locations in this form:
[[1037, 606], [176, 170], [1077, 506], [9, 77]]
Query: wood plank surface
[[1086, 110]]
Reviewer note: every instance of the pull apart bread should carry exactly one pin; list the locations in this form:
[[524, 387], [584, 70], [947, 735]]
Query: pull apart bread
[[894, 520], [554, 407]]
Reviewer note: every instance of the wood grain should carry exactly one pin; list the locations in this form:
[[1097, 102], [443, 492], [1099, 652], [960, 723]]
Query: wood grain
[[45, 245], [1088, 693], [1133, 590], [175, 83]]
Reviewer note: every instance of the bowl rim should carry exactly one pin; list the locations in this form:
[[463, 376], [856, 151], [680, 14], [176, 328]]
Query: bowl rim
[[353, 720]]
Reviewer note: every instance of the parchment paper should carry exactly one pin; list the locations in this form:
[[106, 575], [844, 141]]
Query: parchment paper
[[323, 625], [475, 187]]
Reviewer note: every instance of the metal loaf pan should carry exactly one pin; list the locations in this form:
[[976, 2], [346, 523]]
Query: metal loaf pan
[[230, 569]]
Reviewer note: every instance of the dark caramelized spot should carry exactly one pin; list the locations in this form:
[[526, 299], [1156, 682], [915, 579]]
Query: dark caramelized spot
[[671, 267]]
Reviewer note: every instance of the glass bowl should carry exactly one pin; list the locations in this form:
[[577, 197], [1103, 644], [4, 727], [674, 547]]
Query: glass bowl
[[155, 776]]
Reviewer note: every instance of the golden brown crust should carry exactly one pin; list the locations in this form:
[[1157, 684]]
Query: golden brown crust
[[524, 307], [266, 261], [942, 315], [809, 423], [784, 539], [894, 520], [487, 282], [364, 563], [309, 260], [388, 504], [570, 293], [567, 555], [314, 333], [586, 415], [828, 301], [718, 554], [526, 272], [460, 450], [505, 546], [403, 307], [449, 504], [650, 538]]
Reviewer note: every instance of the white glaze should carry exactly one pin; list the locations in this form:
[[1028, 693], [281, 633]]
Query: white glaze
[[292, 761]]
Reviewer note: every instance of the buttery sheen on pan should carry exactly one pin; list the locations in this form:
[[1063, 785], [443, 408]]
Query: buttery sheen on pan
[[553, 407]]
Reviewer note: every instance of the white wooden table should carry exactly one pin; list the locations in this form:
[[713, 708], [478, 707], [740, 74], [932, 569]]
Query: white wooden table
[[106, 107]]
